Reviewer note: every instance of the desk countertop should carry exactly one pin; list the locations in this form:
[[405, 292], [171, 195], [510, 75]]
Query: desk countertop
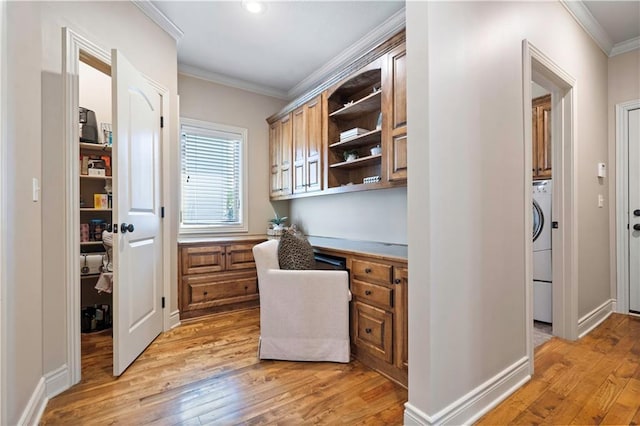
[[387, 250], [398, 251]]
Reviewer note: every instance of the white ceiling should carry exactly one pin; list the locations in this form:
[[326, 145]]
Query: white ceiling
[[620, 19], [294, 45], [277, 49]]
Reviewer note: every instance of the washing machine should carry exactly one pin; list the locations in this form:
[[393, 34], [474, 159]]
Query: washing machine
[[542, 270]]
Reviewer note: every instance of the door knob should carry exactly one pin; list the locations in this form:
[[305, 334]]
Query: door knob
[[636, 212], [124, 227], [636, 227]]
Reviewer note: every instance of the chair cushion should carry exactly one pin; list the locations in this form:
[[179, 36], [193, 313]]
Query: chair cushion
[[295, 252]]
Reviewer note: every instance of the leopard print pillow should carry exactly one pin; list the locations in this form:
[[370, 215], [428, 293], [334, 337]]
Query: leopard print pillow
[[295, 252]]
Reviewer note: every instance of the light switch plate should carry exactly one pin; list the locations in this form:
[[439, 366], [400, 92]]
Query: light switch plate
[[602, 170]]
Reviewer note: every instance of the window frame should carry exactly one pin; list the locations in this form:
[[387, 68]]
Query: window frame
[[243, 225]]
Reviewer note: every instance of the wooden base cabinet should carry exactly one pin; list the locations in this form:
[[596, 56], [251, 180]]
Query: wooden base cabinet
[[216, 277], [379, 315]]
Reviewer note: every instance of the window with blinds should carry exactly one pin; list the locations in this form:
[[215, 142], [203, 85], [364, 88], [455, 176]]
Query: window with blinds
[[213, 173]]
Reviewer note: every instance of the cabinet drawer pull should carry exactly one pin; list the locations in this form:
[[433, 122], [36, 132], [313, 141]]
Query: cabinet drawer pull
[[367, 271], [367, 330], [367, 292], [205, 293]]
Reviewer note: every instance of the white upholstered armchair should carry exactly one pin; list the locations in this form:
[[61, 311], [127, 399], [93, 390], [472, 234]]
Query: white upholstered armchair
[[304, 314]]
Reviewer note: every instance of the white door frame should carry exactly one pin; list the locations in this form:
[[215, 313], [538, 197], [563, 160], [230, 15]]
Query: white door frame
[[622, 203], [3, 204], [72, 46], [541, 69]]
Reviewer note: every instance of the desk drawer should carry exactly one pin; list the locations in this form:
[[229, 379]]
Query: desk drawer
[[372, 271], [373, 293], [211, 288]]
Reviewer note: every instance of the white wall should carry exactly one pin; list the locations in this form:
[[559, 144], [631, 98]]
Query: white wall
[[36, 300], [379, 215], [22, 321], [624, 85], [208, 101], [466, 155]]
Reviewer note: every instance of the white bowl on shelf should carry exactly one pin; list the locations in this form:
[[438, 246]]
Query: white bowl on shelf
[[376, 150]]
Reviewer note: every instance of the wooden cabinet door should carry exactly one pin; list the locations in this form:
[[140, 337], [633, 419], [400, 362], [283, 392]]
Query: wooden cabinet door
[[395, 111], [275, 146], [202, 260], [299, 141], [286, 136], [313, 160], [373, 331], [541, 108], [401, 281], [239, 256]]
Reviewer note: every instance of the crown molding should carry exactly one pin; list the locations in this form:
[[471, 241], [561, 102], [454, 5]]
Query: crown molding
[[625, 46], [586, 20], [381, 33], [159, 18], [191, 71]]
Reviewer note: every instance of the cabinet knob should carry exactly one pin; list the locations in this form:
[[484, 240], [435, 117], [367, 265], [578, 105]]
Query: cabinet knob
[[367, 292], [205, 293], [367, 271], [367, 330], [397, 281]]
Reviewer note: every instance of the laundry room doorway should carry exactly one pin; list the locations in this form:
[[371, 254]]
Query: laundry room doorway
[[550, 265]]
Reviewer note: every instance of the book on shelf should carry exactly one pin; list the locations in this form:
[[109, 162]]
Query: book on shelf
[[351, 133]]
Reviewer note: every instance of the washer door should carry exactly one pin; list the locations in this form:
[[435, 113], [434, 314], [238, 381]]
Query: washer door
[[538, 220]]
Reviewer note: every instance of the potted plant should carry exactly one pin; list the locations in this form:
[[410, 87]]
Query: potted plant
[[350, 154], [278, 222]]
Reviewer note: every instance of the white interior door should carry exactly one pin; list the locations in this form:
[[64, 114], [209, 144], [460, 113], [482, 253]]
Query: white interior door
[[137, 289], [634, 210]]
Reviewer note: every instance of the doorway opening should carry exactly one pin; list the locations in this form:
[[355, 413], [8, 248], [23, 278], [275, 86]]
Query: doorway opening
[[553, 170], [95, 181], [134, 269]]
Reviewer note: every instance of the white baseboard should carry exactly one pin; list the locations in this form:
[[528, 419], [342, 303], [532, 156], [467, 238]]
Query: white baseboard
[[476, 403], [36, 405], [57, 381], [174, 320], [595, 317]]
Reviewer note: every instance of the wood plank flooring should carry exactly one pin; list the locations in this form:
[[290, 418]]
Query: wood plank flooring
[[206, 372], [595, 380]]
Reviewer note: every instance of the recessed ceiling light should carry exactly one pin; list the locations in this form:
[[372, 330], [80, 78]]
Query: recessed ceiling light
[[253, 6]]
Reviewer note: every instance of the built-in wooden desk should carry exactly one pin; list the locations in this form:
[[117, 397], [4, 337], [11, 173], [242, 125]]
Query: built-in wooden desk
[[379, 283]]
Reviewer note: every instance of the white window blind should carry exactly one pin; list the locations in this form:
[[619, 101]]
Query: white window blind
[[213, 176]]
